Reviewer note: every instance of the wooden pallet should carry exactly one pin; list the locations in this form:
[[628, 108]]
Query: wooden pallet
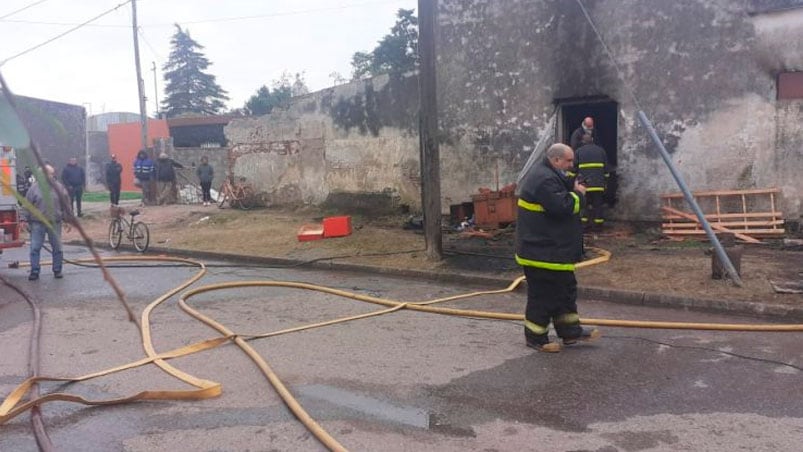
[[747, 213]]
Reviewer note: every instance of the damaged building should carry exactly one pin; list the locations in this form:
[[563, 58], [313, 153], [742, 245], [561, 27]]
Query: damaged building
[[720, 80]]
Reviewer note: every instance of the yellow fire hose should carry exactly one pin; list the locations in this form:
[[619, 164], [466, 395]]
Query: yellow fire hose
[[12, 406]]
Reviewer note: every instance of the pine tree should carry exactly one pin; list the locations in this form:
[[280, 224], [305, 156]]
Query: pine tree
[[188, 89]]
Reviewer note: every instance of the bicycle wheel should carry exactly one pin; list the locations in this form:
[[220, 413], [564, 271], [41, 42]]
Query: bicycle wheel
[[115, 233], [246, 199], [141, 236], [222, 195]]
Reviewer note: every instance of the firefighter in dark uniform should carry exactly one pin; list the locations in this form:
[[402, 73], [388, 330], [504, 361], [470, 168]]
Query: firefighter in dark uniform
[[548, 244], [591, 167]]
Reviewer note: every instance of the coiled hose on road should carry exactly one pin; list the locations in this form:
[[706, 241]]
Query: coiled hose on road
[[13, 405]]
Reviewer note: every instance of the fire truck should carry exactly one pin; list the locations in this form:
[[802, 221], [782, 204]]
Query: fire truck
[[9, 208]]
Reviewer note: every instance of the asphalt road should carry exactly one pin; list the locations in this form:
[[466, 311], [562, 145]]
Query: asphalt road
[[401, 381]]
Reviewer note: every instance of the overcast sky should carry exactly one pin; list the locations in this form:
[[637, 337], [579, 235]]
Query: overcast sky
[[94, 65]]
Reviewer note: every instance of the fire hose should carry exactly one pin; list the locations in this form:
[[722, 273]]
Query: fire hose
[[14, 405]]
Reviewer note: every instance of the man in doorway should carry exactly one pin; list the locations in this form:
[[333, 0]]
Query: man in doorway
[[548, 244], [591, 167], [586, 127], [74, 180]]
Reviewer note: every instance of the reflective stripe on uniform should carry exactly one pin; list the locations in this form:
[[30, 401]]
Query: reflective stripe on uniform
[[530, 206], [535, 328], [576, 202], [599, 220], [591, 165], [584, 219], [595, 189], [570, 318], [545, 265], [571, 173]]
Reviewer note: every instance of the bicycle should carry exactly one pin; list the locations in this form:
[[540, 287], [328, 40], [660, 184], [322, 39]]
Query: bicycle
[[136, 231], [239, 195]]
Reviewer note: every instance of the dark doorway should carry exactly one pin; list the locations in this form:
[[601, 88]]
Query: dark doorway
[[605, 113]]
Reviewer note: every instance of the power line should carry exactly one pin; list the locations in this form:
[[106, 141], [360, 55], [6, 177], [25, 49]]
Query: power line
[[153, 50], [206, 21], [22, 9], [31, 49]]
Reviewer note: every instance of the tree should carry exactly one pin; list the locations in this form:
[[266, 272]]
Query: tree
[[265, 99], [396, 53], [188, 88]]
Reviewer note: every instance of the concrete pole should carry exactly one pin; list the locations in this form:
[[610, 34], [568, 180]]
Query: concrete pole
[[428, 130], [723, 257], [143, 112]]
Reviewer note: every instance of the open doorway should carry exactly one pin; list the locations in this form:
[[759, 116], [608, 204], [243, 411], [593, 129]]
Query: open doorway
[[605, 113]]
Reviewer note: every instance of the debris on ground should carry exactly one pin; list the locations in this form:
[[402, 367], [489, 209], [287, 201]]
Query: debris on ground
[[792, 287]]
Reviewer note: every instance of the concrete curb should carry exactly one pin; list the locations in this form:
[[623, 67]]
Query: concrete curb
[[611, 295]]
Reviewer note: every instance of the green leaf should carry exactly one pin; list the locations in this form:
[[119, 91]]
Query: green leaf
[[12, 131]]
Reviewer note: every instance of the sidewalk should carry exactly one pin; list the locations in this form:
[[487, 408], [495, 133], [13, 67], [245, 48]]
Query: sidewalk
[[643, 270]]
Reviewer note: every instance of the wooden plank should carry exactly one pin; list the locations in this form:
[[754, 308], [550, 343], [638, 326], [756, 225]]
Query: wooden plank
[[744, 237], [756, 191], [713, 216], [727, 224], [770, 232]]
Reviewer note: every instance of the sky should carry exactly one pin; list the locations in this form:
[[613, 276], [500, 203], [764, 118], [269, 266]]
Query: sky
[[250, 43]]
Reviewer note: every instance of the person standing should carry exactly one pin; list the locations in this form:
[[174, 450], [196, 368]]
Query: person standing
[[548, 244], [143, 172], [113, 171], [591, 166], [205, 174], [49, 205], [166, 178], [586, 127], [74, 180]]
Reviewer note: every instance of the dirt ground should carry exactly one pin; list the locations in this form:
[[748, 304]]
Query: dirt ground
[[642, 260]]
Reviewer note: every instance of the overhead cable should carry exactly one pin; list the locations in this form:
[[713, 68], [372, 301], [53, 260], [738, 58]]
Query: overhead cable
[[31, 49], [22, 9]]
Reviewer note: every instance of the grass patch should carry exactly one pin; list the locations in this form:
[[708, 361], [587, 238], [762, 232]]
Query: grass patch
[[100, 196]]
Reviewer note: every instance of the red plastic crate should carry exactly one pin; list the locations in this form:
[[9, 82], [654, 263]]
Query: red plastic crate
[[336, 226]]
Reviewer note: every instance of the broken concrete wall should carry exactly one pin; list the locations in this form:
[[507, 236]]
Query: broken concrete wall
[[353, 139], [703, 71]]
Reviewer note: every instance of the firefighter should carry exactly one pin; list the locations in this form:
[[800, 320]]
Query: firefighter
[[548, 243], [591, 167]]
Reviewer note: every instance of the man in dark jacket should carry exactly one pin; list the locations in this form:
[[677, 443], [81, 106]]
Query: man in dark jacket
[[548, 244], [166, 178], [113, 171], [591, 167], [74, 180], [586, 127]]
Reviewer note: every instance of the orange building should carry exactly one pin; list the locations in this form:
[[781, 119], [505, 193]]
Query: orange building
[[125, 141]]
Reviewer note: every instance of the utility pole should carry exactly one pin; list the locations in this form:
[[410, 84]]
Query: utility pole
[[143, 113], [428, 130], [155, 89]]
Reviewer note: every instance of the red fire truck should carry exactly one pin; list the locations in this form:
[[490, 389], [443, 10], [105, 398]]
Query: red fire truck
[[9, 209]]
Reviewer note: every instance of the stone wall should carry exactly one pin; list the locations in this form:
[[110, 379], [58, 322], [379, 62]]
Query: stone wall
[[358, 138]]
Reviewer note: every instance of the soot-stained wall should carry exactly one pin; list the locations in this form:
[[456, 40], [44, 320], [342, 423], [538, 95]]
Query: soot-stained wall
[[703, 71]]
